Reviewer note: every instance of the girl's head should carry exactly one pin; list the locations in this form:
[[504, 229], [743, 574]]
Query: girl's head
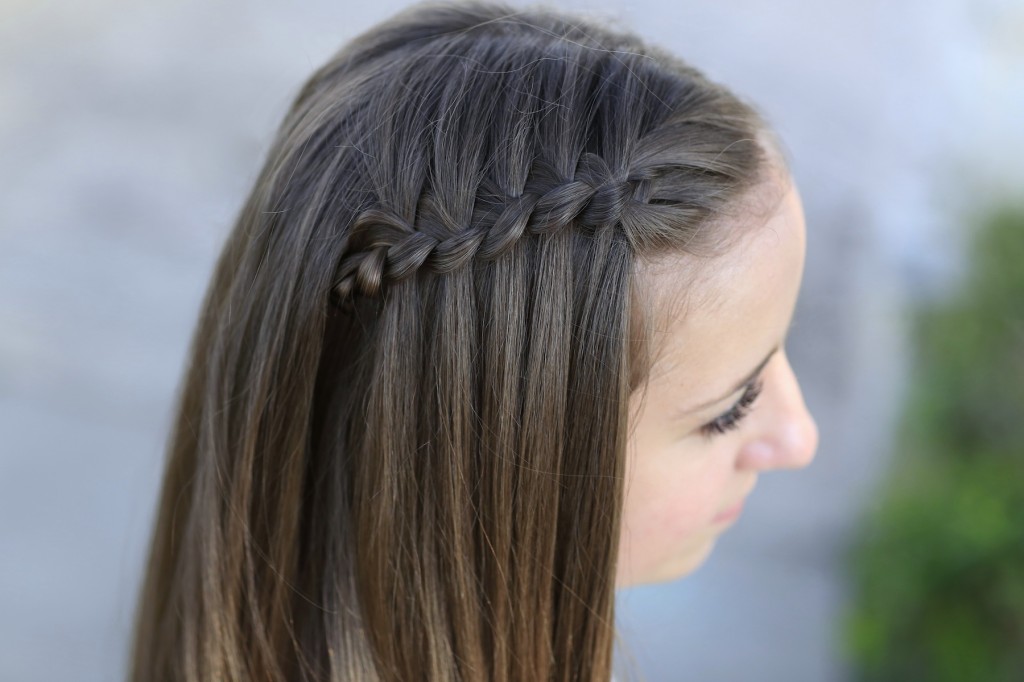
[[485, 310]]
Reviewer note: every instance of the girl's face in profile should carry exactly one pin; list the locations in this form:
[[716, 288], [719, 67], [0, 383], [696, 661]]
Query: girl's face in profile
[[722, 404]]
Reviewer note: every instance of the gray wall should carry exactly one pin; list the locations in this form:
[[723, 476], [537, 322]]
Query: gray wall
[[130, 133]]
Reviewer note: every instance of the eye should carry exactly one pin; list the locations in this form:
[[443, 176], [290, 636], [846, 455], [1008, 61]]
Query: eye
[[731, 419]]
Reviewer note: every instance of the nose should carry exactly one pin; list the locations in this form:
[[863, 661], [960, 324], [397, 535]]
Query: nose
[[788, 437]]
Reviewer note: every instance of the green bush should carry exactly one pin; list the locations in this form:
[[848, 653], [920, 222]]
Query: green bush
[[937, 566]]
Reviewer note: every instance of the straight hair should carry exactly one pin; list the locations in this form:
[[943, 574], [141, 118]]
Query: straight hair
[[399, 444]]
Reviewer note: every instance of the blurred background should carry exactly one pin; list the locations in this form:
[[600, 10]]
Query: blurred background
[[130, 132]]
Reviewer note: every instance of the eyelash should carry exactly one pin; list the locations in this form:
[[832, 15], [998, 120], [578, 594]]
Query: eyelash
[[731, 419]]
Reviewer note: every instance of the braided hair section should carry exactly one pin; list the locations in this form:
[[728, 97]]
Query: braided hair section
[[384, 247]]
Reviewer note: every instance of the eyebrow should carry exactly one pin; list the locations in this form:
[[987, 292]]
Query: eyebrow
[[743, 383]]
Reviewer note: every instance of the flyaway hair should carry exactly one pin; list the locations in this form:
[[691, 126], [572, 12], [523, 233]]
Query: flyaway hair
[[399, 445]]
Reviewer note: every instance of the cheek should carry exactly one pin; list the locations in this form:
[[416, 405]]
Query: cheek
[[667, 505], [658, 522]]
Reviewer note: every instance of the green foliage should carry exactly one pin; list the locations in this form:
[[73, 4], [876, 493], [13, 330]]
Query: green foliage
[[937, 568]]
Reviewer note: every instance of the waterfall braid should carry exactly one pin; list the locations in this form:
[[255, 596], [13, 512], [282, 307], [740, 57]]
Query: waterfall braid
[[400, 442], [385, 247]]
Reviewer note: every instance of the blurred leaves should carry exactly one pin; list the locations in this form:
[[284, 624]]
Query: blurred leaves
[[937, 568]]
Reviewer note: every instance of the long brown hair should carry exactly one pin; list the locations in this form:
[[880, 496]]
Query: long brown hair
[[399, 445]]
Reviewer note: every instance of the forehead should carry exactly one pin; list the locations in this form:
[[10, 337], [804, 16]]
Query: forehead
[[716, 317]]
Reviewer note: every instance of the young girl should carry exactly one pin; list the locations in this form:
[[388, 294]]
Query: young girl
[[500, 328]]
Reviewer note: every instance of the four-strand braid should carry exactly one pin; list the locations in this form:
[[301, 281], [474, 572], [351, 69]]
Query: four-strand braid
[[384, 247]]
